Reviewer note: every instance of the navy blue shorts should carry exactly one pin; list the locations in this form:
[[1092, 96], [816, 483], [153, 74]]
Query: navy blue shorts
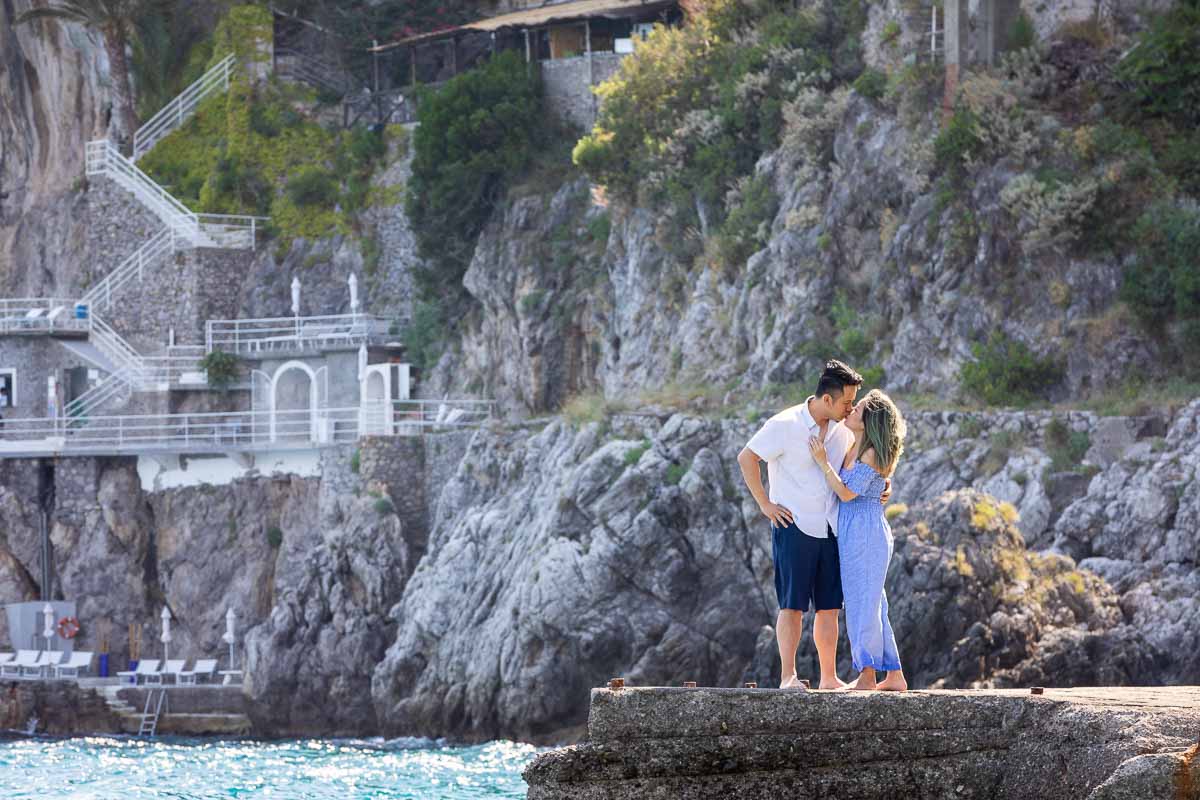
[[807, 570]]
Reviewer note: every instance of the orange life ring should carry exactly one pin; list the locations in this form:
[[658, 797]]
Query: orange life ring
[[68, 627]]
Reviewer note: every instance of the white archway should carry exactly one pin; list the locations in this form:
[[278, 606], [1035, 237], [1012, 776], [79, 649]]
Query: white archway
[[376, 405], [294, 388]]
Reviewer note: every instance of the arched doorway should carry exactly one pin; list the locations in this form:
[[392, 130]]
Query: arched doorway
[[295, 400], [375, 405]]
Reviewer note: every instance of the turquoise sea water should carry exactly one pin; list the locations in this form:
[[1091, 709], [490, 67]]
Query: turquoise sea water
[[117, 768]]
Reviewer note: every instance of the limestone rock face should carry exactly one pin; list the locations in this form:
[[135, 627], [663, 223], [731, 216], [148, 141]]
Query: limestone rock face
[[561, 557], [559, 313], [55, 96], [344, 562]]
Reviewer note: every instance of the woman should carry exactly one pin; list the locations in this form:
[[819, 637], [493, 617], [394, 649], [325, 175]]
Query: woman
[[864, 536]]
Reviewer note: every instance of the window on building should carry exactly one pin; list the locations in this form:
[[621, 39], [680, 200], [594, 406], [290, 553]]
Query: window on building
[[8, 388]]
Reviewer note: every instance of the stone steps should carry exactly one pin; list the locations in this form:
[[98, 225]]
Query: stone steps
[[226, 720]]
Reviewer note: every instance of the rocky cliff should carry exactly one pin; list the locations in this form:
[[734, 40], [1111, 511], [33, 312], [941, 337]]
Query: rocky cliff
[[478, 586]]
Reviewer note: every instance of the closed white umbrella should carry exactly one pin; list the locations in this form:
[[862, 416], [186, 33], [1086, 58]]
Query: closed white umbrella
[[228, 637], [353, 281], [296, 304], [48, 614], [165, 638]]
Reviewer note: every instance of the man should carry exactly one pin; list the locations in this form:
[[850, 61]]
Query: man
[[804, 516]]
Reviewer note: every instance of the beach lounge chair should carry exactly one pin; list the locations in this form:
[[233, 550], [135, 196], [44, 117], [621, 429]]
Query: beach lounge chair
[[171, 669], [7, 657], [25, 658], [146, 668], [204, 668], [80, 661], [42, 667]]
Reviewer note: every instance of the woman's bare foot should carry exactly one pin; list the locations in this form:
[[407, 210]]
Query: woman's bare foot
[[894, 682], [792, 683], [837, 684], [865, 682]]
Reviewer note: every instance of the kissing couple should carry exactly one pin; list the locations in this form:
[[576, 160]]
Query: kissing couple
[[829, 464]]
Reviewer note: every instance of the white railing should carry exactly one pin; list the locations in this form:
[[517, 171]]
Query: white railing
[[100, 296], [115, 385], [116, 349], [39, 315], [411, 417], [104, 159], [129, 371], [208, 230], [182, 108], [255, 336], [230, 231], [181, 367], [81, 433], [300, 429]]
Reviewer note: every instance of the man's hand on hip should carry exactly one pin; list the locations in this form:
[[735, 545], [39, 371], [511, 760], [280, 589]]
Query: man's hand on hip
[[779, 516]]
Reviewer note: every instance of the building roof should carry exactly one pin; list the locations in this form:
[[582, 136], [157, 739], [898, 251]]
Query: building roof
[[542, 15]]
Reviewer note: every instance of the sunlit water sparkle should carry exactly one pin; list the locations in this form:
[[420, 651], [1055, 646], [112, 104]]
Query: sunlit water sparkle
[[102, 768]]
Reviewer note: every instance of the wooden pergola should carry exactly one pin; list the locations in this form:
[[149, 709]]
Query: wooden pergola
[[521, 29]]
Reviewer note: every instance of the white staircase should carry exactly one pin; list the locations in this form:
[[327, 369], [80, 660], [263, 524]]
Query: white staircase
[[182, 108], [130, 371], [99, 297], [103, 158]]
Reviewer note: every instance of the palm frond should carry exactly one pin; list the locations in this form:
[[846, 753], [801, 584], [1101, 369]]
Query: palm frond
[[67, 13]]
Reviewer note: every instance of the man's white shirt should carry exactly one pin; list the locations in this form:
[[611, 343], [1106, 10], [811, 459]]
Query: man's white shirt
[[796, 481]]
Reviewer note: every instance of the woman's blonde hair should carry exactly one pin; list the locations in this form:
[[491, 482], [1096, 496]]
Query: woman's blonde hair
[[884, 430]]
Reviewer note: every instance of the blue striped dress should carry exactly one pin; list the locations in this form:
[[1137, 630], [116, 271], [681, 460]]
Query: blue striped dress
[[864, 549]]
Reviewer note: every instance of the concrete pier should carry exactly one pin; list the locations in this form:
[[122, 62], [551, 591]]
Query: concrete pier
[[687, 744]]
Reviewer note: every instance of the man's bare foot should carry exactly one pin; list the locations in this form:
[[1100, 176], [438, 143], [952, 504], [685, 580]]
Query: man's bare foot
[[894, 682], [837, 684], [792, 683]]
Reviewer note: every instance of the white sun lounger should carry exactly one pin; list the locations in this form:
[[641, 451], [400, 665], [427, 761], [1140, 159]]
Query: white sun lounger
[[25, 658], [171, 669], [205, 667], [7, 657], [42, 667], [146, 668], [80, 661]]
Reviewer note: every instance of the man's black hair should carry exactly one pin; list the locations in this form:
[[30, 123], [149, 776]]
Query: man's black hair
[[836, 377]]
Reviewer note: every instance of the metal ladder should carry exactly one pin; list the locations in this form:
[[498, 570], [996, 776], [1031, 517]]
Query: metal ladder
[[149, 724]]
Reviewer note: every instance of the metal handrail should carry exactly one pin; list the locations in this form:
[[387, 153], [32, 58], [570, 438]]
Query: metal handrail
[[182, 108], [301, 429], [99, 297], [15, 315], [277, 333], [312, 70], [104, 159], [198, 230]]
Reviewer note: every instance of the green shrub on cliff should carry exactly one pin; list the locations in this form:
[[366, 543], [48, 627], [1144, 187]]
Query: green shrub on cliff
[[476, 134], [1162, 285], [688, 115], [1164, 67], [252, 150], [1006, 372]]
